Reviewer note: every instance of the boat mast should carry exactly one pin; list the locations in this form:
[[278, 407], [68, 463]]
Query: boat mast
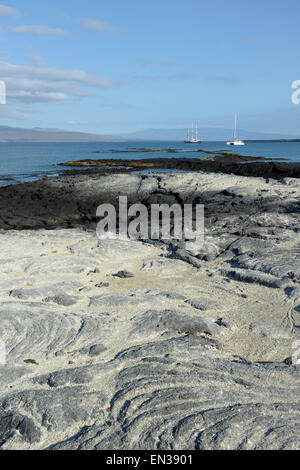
[[196, 130], [235, 127]]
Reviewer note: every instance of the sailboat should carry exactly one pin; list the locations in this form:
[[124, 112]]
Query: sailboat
[[190, 139], [235, 140]]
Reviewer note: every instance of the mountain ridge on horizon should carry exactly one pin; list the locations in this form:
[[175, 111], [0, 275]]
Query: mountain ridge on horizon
[[16, 134], [210, 134], [48, 135]]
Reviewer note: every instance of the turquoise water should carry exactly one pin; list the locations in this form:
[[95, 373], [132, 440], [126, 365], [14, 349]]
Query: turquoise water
[[29, 161]]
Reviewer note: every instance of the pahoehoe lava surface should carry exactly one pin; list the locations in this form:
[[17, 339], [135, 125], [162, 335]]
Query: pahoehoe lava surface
[[191, 351]]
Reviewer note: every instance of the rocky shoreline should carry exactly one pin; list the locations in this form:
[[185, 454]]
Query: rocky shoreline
[[143, 344], [216, 162]]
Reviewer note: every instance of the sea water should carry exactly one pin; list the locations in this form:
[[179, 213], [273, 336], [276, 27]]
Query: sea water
[[21, 162]]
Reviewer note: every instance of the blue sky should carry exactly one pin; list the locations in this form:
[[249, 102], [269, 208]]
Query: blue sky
[[125, 65]]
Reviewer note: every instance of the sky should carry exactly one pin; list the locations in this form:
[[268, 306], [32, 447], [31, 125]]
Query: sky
[[125, 65]]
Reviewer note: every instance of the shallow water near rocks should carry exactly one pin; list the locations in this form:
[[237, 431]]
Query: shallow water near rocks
[[21, 162]]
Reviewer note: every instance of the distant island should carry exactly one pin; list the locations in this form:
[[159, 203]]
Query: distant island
[[12, 134], [207, 134], [37, 134]]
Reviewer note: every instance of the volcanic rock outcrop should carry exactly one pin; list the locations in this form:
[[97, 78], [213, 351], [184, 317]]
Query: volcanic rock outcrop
[[193, 350]]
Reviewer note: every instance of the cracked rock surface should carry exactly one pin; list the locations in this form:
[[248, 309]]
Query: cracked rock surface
[[191, 351]]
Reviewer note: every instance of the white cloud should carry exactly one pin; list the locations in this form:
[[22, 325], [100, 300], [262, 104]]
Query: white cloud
[[96, 26], [37, 60], [40, 82], [40, 30], [5, 55], [38, 96], [8, 11]]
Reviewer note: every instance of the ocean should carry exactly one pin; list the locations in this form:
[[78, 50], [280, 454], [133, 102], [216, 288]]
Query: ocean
[[21, 162]]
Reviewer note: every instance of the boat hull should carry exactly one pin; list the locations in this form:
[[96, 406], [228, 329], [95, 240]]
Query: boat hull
[[238, 143]]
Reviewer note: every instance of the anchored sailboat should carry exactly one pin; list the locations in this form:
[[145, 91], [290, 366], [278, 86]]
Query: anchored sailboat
[[191, 139], [235, 140]]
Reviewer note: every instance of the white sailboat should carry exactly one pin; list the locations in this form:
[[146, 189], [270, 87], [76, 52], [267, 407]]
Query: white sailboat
[[235, 140], [191, 139]]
